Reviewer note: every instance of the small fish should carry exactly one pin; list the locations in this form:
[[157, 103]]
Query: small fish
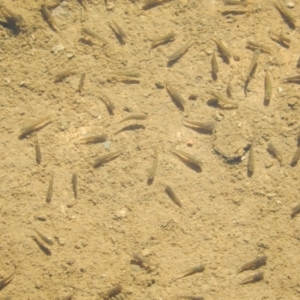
[[223, 102], [253, 278], [205, 126], [151, 3], [189, 159], [93, 35], [280, 38], [74, 184], [260, 47], [177, 54], [172, 195], [113, 292], [214, 66], [253, 63], [154, 167], [49, 18], [106, 157], [236, 2], [6, 280], [189, 297], [38, 153], [268, 87], [142, 261], [118, 30], [175, 95], [254, 264], [81, 83], [47, 240], [62, 75], [163, 40], [11, 17], [27, 129], [134, 117], [296, 157], [50, 190], [110, 106], [272, 149], [94, 139], [295, 210], [281, 7], [223, 49], [192, 271], [293, 79], [128, 74], [251, 160], [229, 89]]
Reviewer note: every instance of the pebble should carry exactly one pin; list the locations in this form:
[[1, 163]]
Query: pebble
[[290, 4], [57, 48]]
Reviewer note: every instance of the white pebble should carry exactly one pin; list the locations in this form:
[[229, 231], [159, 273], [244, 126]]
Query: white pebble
[[290, 4]]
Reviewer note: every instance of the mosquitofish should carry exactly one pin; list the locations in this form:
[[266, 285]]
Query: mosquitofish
[[113, 292], [118, 30], [223, 49], [205, 126], [110, 106], [48, 16], [150, 3], [38, 153], [259, 46], [295, 211], [141, 260], [274, 151], [93, 35], [296, 157], [189, 297], [229, 89], [235, 2], [175, 95], [74, 184], [279, 37], [62, 75], [214, 66], [27, 129], [253, 63], [192, 271], [254, 264], [177, 54], [106, 157], [293, 79], [81, 82], [154, 167], [173, 196], [94, 139], [281, 7], [129, 74], [188, 158], [134, 117], [253, 278], [268, 87], [50, 190], [47, 240], [251, 160], [10, 16], [162, 40], [6, 280], [223, 102]]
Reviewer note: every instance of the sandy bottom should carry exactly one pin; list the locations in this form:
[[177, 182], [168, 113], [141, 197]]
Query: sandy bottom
[[228, 217]]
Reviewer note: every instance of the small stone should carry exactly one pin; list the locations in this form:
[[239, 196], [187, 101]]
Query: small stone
[[22, 83], [159, 85], [120, 214], [290, 4], [38, 284], [193, 97], [61, 241], [70, 55], [190, 143], [57, 48]]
